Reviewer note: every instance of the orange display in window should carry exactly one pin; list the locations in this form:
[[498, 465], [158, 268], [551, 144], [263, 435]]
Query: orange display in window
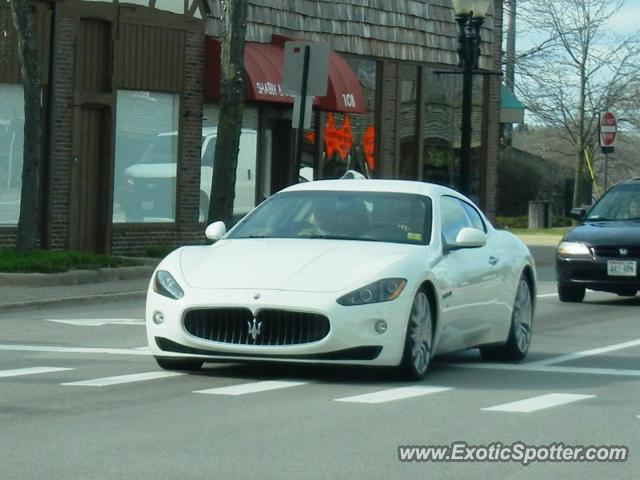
[[369, 147]]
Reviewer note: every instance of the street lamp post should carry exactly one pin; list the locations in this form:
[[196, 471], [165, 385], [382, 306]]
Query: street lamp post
[[469, 17]]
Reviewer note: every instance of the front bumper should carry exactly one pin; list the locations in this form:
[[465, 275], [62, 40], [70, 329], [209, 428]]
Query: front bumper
[[352, 338], [592, 273]]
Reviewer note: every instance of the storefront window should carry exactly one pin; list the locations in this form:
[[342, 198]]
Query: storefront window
[[349, 139], [442, 94], [11, 144], [245, 192], [146, 157], [408, 161]]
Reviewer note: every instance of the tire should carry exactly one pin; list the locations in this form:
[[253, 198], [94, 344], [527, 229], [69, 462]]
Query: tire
[[418, 342], [519, 338], [570, 293], [183, 364]]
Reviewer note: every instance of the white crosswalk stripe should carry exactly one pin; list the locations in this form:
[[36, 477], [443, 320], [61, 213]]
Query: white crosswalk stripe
[[393, 394], [120, 379], [255, 387], [17, 372], [541, 402]]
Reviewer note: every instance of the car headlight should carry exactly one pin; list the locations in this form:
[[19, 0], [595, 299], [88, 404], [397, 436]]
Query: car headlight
[[381, 291], [166, 285], [573, 249]]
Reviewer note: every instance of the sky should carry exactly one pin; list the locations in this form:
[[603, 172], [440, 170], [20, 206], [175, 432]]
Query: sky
[[626, 21]]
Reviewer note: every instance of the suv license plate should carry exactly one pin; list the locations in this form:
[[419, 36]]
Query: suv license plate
[[620, 268]]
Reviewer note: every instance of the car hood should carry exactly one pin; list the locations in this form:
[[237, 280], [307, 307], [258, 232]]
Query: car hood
[[607, 233], [151, 170], [312, 265]]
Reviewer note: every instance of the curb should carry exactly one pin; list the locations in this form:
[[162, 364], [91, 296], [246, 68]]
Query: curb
[[76, 277], [79, 300]]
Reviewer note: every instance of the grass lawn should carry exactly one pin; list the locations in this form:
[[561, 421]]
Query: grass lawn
[[557, 232], [45, 261]]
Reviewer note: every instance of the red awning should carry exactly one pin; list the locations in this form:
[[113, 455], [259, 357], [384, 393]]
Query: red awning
[[264, 64]]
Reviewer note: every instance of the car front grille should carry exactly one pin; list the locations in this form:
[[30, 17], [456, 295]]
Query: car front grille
[[615, 251], [269, 327]]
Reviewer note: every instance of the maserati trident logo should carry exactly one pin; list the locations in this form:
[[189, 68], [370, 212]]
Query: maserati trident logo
[[623, 252], [254, 328]]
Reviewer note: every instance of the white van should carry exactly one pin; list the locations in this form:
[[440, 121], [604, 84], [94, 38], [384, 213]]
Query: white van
[[149, 193]]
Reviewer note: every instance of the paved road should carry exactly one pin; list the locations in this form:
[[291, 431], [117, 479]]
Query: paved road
[[81, 399]]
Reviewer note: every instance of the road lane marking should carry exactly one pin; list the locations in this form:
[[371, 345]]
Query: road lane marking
[[17, 372], [250, 387], [392, 394], [97, 322], [120, 379], [54, 349], [541, 402], [587, 353], [533, 367], [544, 295]]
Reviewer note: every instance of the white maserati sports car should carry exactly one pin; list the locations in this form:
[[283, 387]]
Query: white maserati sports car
[[368, 272]]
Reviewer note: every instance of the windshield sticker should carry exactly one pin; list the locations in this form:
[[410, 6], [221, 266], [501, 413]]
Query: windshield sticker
[[416, 237]]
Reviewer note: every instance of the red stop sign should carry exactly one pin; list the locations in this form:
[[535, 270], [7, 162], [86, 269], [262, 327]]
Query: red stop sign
[[608, 129]]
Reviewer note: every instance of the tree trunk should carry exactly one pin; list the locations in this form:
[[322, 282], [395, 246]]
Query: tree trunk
[[23, 19], [233, 88], [582, 188]]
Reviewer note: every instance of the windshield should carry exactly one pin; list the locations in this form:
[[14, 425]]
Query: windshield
[[619, 203], [367, 216]]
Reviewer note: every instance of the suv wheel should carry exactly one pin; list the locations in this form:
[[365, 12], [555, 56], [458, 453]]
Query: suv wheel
[[570, 293]]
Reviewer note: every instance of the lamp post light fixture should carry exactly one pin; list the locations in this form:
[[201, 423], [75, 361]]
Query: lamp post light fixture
[[469, 17]]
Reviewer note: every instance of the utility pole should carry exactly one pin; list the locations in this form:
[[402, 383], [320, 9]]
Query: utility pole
[[510, 60]]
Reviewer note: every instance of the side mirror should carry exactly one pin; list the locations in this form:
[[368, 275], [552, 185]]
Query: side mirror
[[215, 231], [470, 238], [578, 213]]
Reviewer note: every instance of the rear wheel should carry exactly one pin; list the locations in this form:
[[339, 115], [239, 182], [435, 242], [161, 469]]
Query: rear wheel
[[519, 339], [570, 293], [184, 364], [419, 339]]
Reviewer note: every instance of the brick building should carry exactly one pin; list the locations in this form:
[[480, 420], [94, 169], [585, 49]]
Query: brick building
[[130, 92]]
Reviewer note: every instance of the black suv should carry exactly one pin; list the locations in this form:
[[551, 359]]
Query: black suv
[[603, 252]]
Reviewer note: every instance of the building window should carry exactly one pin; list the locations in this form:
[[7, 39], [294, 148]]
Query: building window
[[245, 192], [442, 103], [146, 157], [349, 139], [408, 161], [11, 144]]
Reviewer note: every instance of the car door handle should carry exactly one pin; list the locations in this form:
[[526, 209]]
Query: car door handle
[[493, 260]]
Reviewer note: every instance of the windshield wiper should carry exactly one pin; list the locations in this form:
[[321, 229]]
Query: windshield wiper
[[325, 236]]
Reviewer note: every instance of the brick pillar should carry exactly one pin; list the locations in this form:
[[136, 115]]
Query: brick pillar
[[493, 128], [188, 188], [61, 121]]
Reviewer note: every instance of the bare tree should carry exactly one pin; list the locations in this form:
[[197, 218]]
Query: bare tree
[[23, 19], [577, 69], [232, 93]]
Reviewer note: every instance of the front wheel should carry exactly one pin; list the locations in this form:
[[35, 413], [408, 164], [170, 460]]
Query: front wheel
[[419, 338], [519, 339], [182, 364]]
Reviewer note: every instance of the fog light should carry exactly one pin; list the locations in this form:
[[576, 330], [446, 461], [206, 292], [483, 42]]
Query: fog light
[[381, 326], [158, 318]]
